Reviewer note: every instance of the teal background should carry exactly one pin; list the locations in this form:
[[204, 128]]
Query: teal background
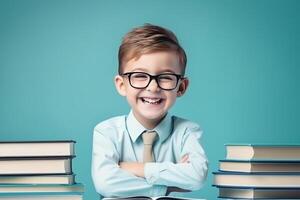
[[58, 60]]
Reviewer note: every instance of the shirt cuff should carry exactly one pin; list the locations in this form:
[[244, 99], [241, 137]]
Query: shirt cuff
[[152, 172]]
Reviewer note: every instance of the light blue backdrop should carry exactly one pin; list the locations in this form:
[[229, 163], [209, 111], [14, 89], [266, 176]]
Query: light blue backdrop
[[58, 60]]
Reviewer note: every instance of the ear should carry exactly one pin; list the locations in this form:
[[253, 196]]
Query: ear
[[183, 85], [120, 85]]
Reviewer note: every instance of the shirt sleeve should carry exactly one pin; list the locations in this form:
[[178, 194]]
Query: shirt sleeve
[[109, 179], [189, 176]]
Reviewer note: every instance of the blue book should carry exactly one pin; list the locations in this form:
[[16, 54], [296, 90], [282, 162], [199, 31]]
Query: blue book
[[258, 193], [263, 151]]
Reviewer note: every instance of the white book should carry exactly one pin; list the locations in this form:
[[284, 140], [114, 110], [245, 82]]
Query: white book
[[37, 148], [257, 179], [260, 165], [36, 165], [40, 188], [262, 152], [42, 196], [38, 179]]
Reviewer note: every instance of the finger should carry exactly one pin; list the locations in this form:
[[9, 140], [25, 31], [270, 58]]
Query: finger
[[184, 159]]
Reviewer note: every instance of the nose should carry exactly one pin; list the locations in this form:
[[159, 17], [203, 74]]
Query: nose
[[153, 86]]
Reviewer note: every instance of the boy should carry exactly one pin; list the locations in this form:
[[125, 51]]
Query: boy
[[149, 152]]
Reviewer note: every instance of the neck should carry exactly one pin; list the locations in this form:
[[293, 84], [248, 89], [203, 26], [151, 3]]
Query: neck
[[148, 123]]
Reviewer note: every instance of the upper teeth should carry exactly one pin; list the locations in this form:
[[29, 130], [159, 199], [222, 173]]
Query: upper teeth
[[150, 100]]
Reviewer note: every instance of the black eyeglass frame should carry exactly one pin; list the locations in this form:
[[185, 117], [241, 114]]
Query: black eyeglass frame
[[155, 77]]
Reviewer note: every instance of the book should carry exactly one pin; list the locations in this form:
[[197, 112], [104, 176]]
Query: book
[[260, 165], [38, 179], [42, 196], [40, 188], [258, 193], [36, 165], [151, 198], [261, 151], [257, 179], [37, 148], [38, 170]]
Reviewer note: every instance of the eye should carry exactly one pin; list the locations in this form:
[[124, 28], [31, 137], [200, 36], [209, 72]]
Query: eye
[[167, 77], [139, 76]]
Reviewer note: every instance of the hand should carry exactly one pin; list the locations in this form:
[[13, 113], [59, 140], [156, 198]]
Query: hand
[[135, 168], [184, 159]]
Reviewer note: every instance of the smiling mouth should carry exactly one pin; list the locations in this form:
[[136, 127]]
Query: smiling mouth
[[151, 100]]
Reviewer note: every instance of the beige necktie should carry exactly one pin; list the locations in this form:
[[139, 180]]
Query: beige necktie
[[148, 139]]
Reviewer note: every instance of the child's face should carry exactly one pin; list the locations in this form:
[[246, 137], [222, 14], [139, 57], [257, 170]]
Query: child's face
[[151, 103]]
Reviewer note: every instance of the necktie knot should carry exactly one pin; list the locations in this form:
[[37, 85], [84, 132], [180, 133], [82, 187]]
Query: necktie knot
[[149, 137]]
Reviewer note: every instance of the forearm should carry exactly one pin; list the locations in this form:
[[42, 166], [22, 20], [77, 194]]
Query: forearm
[[137, 169], [134, 168], [116, 182], [188, 176], [184, 176]]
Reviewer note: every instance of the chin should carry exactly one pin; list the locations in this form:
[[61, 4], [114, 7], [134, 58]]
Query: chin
[[153, 116]]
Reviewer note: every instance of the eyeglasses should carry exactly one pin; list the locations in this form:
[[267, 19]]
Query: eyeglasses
[[141, 80]]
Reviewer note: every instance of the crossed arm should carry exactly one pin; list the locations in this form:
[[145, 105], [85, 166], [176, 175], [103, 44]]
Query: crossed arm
[[137, 169], [151, 179]]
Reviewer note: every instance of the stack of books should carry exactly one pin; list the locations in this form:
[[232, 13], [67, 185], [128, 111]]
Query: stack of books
[[259, 172], [38, 170]]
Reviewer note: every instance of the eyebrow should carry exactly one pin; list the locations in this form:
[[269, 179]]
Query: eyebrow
[[143, 70]]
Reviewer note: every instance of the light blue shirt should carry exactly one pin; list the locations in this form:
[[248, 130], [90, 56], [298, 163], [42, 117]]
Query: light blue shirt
[[119, 140]]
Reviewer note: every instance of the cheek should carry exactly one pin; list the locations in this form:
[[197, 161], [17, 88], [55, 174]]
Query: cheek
[[129, 90], [171, 97], [132, 94]]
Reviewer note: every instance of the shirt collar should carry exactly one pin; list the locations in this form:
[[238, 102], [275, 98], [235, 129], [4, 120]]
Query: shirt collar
[[135, 128]]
